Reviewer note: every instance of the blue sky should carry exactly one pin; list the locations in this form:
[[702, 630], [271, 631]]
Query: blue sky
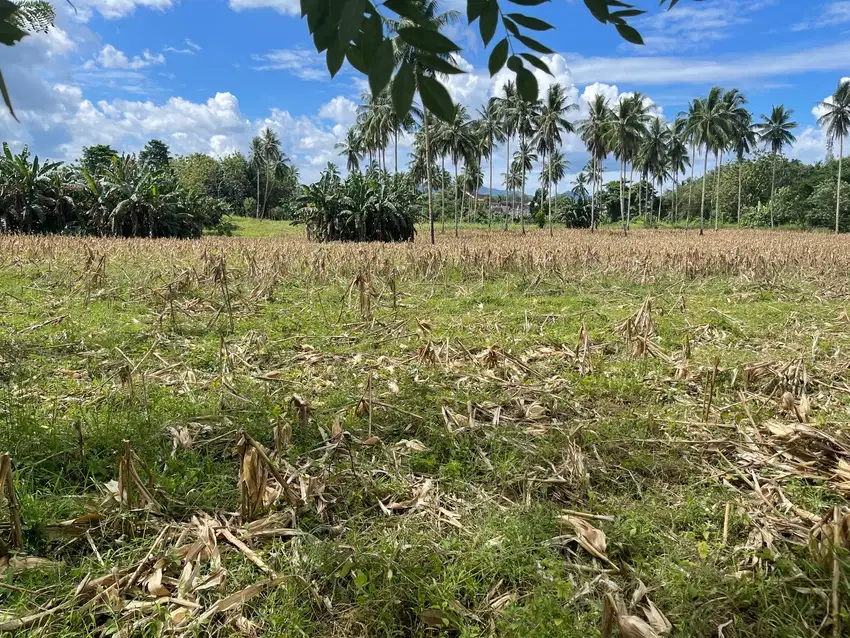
[[206, 75]]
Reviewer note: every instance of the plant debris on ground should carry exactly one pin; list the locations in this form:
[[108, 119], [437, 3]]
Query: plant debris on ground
[[583, 435]]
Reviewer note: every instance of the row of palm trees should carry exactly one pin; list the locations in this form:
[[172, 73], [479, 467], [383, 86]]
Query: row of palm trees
[[717, 125]]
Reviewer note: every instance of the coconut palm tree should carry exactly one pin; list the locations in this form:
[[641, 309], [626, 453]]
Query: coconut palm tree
[[579, 189], [735, 113], [458, 139], [710, 127], [505, 106], [743, 140], [836, 120], [594, 134], [678, 160], [551, 122], [256, 160], [351, 149], [490, 131], [775, 132], [623, 137], [686, 125], [653, 154], [524, 160], [374, 116]]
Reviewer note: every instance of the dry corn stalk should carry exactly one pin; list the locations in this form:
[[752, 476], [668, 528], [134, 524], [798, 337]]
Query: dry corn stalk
[[585, 365], [133, 493], [255, 490], [7, 486]]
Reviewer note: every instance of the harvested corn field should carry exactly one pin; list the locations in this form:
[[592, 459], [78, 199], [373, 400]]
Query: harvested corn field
[[582, 435]]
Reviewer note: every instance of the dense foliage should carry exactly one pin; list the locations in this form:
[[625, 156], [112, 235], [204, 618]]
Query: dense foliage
[[376, 206], [121, 197]]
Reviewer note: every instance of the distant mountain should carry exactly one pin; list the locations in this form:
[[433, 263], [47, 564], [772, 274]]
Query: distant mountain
[[496, 191]]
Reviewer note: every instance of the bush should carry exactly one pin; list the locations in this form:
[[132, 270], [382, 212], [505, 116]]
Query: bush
[[376, 206]]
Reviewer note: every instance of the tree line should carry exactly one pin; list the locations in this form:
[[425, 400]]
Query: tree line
[[151, 194], [650, 152]]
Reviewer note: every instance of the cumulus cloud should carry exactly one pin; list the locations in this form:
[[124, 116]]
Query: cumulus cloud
[[302, 63], [286, 7], [112, 58], [340, 110], [114, 9]]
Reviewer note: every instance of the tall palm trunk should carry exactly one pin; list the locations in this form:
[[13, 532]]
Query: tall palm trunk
[[629, 203], [717, 160], [772, 188], [640, 197], [622, 203], [428, 176], [454, 159], [691, 184], [549, 193], [490, 193], [593, 194], [395, 149], [740, 185], [507, 180], [702, 203], [660, 199], [522, 198], [258, 193], [443, 194], [838, 186]]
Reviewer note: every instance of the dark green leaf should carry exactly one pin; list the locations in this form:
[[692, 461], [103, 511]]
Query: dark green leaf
[[381, 69], [510, 26], [488, 21], [529, 3], [515, 64], [498, 57], [526, 85], [534, 45], [334, 57], [307, 7], [407, 9], [599, 9], [10, 33], [627, 13], [474, 8], [6, 97], [403, 90], [530, 23], [326, 33], [437, 64], [317, 12], [350, 20], [436, 98], [536, 62], [629, 34], [370, 38], [427, 40], [354, 55]]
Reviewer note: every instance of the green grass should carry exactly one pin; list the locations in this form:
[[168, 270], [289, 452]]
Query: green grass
[[478, 555], [252, 227]]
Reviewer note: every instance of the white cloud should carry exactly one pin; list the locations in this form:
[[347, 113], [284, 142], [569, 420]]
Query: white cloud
[[832, 14], [286, 7], [695, 25], [302, 63], [114, 9], [112, 58], [192, 45], [186, 51], [340, 110], [662, 70]]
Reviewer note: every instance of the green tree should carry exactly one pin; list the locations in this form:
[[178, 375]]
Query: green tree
[[457, 138], [155, 153], [197, 173], [625, 132], [594, 134], [351, 149], [508, 118], [678, 161], [654, 154], [524, 159], [97, 158], [490, 131], [836, 121], [775, 132], [710, 127], [234, 182], [551, 122]]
